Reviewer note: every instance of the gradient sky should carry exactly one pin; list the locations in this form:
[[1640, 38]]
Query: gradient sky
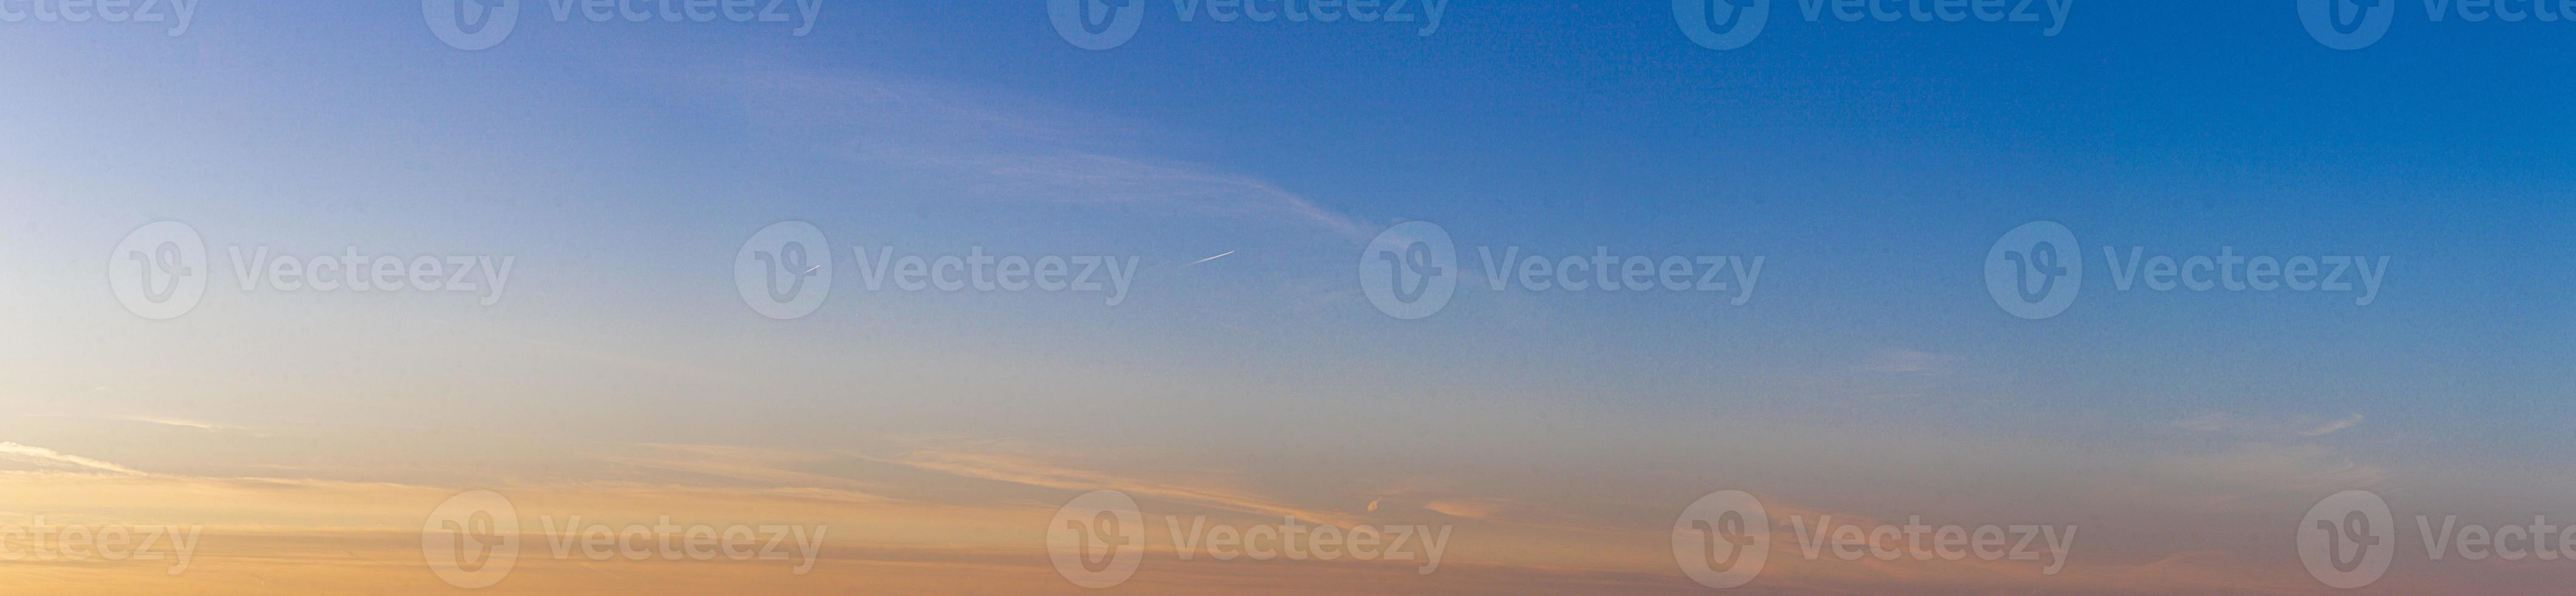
[[1871, 164]]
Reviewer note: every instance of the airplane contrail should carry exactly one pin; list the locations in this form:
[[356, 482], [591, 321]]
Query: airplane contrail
[[1211, 258]]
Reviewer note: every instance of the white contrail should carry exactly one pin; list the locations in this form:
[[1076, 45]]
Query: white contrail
[[42, 455], [1211, 258]]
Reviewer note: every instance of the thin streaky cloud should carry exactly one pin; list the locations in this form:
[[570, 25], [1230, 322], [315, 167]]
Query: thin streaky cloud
[[1026, 150], [40, 455], [2295, 427]]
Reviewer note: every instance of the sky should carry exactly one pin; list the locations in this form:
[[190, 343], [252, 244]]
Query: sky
[[624, 170]]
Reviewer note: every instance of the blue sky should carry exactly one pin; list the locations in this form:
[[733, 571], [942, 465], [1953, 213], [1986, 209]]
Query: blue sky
[[1870, 161]]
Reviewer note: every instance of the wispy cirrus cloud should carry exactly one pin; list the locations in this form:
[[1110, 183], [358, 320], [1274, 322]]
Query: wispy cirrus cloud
[[2296, 427], [995, 148], [54, 459]]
